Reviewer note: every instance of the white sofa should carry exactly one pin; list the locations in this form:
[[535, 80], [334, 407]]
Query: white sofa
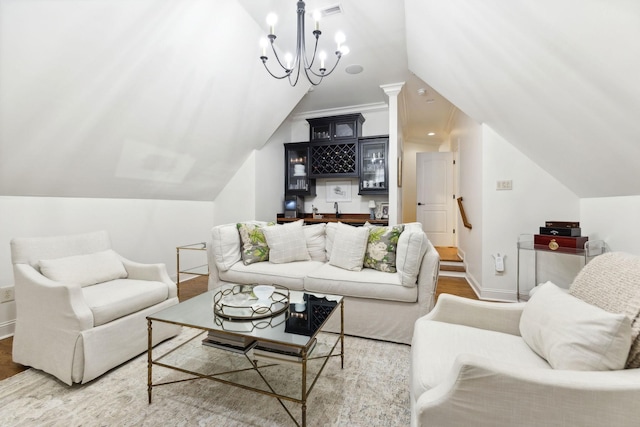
[[82, 308], [378, 304], [560, 359]]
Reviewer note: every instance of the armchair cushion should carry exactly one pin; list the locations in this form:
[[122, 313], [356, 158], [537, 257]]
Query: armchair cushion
[[436, 346], [118, 298], [572, 334], [85, 270]]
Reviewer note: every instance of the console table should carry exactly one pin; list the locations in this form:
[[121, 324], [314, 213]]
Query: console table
[[591, 249]]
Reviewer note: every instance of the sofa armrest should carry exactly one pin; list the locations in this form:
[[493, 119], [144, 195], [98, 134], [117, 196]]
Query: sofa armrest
[[529, 396], [214, 273], [155, 272], [495, 316], [61, 306]]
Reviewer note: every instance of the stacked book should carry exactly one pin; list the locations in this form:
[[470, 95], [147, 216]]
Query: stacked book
[[563, 236], [280, 353], [237, 344]]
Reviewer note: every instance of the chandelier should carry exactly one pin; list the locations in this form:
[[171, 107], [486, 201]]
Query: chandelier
[[294, 65]]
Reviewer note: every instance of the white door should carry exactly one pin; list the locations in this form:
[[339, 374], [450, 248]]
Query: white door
[[434, 192]]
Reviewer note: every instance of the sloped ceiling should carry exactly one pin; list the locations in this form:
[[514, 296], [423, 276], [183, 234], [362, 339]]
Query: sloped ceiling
[[131, 99], [557, 78]]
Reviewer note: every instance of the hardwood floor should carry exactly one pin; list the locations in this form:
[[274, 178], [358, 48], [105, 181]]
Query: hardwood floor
[[191, 288]]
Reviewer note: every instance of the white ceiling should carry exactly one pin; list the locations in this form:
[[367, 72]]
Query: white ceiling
[[164, 99]]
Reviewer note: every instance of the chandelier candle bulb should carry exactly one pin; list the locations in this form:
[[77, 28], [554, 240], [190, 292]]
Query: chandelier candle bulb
[[316, 17], [272, 20]]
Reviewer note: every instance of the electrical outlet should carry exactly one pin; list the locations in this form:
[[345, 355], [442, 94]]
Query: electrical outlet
[[504, 185], [6, 294]]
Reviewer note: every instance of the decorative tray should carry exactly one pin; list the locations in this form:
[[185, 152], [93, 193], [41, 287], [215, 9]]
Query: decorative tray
[[239, 303]]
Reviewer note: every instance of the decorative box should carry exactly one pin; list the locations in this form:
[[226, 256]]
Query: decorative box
[[559, 243], [561, 231]]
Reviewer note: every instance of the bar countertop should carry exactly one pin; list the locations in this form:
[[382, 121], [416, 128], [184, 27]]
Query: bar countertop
[[347, 218]]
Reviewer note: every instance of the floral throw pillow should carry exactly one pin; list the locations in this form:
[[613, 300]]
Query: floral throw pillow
[[381, 248], [254, 244]]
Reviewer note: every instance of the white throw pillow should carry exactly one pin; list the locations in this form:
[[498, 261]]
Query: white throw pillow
[[286, 243], [412, 245], [316, 241], [349, 245], [572, 334], [330, 235], [84, 270]]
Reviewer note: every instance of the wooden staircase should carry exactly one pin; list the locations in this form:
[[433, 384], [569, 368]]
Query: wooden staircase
[[451, 265]]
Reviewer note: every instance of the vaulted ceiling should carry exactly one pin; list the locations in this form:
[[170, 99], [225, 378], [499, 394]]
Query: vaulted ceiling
[[165, 99]]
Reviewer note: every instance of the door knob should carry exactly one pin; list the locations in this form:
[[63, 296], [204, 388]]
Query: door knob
[[420, 204]]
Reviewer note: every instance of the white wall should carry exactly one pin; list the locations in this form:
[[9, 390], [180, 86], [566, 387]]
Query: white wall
[[466, 134], [536, 197], [142, 230], [614, 220]]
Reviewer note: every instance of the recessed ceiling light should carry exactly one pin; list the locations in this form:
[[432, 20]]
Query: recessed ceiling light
[[431, 133], [354, 69]]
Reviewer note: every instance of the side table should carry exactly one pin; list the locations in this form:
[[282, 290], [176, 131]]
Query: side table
[[198, 270]]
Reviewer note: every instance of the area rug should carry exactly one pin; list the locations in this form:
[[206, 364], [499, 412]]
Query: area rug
[[371, 390]]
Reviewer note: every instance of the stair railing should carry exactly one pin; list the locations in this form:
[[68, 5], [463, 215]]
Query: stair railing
[[463, 214]]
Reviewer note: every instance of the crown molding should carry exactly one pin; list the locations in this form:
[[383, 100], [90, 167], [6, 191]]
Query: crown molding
[[364, 108]]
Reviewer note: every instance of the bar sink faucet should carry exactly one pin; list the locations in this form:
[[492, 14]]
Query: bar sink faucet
[[335, 206]]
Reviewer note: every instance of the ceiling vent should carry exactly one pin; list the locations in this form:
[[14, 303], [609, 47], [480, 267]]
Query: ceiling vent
[[336, 9]]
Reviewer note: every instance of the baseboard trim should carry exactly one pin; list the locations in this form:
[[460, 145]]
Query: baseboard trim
[[7, 329]]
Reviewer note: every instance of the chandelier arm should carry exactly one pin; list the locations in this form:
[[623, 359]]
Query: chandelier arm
[[306, 72], [330, 71], [273, 75], [308, 65], [278, 59]]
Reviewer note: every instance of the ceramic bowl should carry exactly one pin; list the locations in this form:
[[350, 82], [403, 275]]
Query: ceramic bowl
[[263, 292]]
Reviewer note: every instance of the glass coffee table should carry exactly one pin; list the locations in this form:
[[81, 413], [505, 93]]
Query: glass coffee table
[[279, 351]]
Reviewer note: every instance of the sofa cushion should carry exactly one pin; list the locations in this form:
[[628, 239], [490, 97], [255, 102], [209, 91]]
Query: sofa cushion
[[288, 275], [111, 300], [254, 244], [572, 334], [316, 241], [412, 245], [84, 270], [225, 245], [429, 367], [286, 243], [348, 248], [330, 234], [381, 247], [366, 283]]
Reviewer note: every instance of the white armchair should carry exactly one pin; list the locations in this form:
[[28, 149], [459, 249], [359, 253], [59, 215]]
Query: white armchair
[[82, 308], [501, 364]]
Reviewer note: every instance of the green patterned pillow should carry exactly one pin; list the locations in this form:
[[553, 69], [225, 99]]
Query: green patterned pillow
[[254, 245], [381, 248]]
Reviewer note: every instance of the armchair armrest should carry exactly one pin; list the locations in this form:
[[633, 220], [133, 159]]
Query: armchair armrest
[[494, 316], [482, 392], [54, 304], [155, 272]]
